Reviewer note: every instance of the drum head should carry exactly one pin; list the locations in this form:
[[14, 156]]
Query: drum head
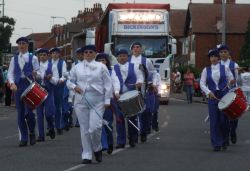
[[226, 100], [129, 95]]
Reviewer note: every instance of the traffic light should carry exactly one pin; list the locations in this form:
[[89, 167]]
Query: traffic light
[[31, 46]]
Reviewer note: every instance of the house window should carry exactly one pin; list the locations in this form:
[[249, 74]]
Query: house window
[[193, 43], [185, 44]]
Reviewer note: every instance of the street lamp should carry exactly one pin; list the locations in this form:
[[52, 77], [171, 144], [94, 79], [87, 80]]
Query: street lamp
[[28, 28], [54, 17]]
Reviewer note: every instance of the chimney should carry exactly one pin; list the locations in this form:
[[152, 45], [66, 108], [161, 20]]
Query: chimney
[[230, 1], [217, 1]]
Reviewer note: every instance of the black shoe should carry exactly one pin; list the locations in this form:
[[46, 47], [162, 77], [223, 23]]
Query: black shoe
[[40, 139], [143, 137], [132, 143], [217, 148], [32, 139], [59, 132], [224, 147], [23, 143], [119, 146], [234, 139], [98, 156], [66, 128], [77, 125], [110, 149], [86, 161], [47, 133], [52, 133], [156, 128]]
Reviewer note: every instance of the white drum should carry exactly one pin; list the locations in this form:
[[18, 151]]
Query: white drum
[[131, 103]]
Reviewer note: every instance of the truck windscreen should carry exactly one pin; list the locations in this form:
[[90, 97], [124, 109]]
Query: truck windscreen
[[153, 47]]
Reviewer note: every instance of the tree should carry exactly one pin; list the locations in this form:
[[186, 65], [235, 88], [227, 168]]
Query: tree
[[6, 28], [245, 51]]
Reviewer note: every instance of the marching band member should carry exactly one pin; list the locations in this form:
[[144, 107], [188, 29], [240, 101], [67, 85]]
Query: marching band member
[[22, 66], [129, 77], [155, 125], [59, 88], [233, 66], [79, 58], [146, 116], [214, 82], [92, 83], [47, 77], [107, 135]]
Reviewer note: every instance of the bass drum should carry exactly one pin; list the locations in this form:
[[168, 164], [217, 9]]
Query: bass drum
[[233, 105], [131, 103]]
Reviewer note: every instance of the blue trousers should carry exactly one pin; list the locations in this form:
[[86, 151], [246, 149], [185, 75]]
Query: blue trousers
[[47, 108], [25, 116], [67, 111], [58, 96], [189, 93], [107, 135], [147, 114], [233, 126], [155, 111]]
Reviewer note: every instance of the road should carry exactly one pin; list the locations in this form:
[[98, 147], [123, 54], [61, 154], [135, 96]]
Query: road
[[182, 144]]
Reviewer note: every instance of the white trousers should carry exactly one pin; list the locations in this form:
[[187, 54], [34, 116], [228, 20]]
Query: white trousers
[[90, 122]]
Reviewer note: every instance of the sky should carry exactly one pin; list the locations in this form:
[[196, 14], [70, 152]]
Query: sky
[[35, 15]]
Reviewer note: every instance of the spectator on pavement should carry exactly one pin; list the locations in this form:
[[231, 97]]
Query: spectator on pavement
[[188, 84]]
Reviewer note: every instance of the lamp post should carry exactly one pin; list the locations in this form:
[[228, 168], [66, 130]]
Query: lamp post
[[28, 28], [65, 45]]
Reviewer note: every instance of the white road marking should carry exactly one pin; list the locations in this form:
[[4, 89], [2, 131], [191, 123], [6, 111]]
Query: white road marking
[[119, 150], [11, 136]]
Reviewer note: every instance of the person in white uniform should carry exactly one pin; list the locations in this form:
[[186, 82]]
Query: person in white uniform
[[233, 66], [130, 78], [47, 77], [107, 135], [214, 82], [150, 72], [92, 83], [22, 66], [245, 83]]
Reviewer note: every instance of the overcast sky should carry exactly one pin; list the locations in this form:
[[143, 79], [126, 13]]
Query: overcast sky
[[36, 14]]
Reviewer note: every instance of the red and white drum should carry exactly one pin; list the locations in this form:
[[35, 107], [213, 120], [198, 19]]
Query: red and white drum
[[34, 95], [233, 105], [240, 93]]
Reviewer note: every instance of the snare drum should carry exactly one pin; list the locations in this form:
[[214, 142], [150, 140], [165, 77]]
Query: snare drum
[[34, 95], [131, 103], [233, 105], [240, 93]]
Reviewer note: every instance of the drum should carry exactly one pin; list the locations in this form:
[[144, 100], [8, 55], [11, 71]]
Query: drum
[[34, 95], [233, 105], [131, 103], [240, 93]]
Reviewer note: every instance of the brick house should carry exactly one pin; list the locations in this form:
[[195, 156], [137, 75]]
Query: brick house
[[203, 29], [177, 23]]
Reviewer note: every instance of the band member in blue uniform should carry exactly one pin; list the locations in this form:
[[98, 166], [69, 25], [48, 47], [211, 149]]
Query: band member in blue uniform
[[150, 79], [21, 66], [92, 83], [233, 66], [47, 76], [107, 135], [214, 82], [59, 88], [130, 78], [155, 124]]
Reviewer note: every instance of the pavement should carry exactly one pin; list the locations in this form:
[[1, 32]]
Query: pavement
[[182, 96]]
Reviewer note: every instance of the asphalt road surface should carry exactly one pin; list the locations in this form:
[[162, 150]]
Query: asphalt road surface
[[182, 144]]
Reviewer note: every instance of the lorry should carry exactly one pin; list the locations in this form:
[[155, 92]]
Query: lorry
[[124, 23]]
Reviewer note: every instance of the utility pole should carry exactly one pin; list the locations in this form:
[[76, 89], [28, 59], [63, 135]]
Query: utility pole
[[223, 6]]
